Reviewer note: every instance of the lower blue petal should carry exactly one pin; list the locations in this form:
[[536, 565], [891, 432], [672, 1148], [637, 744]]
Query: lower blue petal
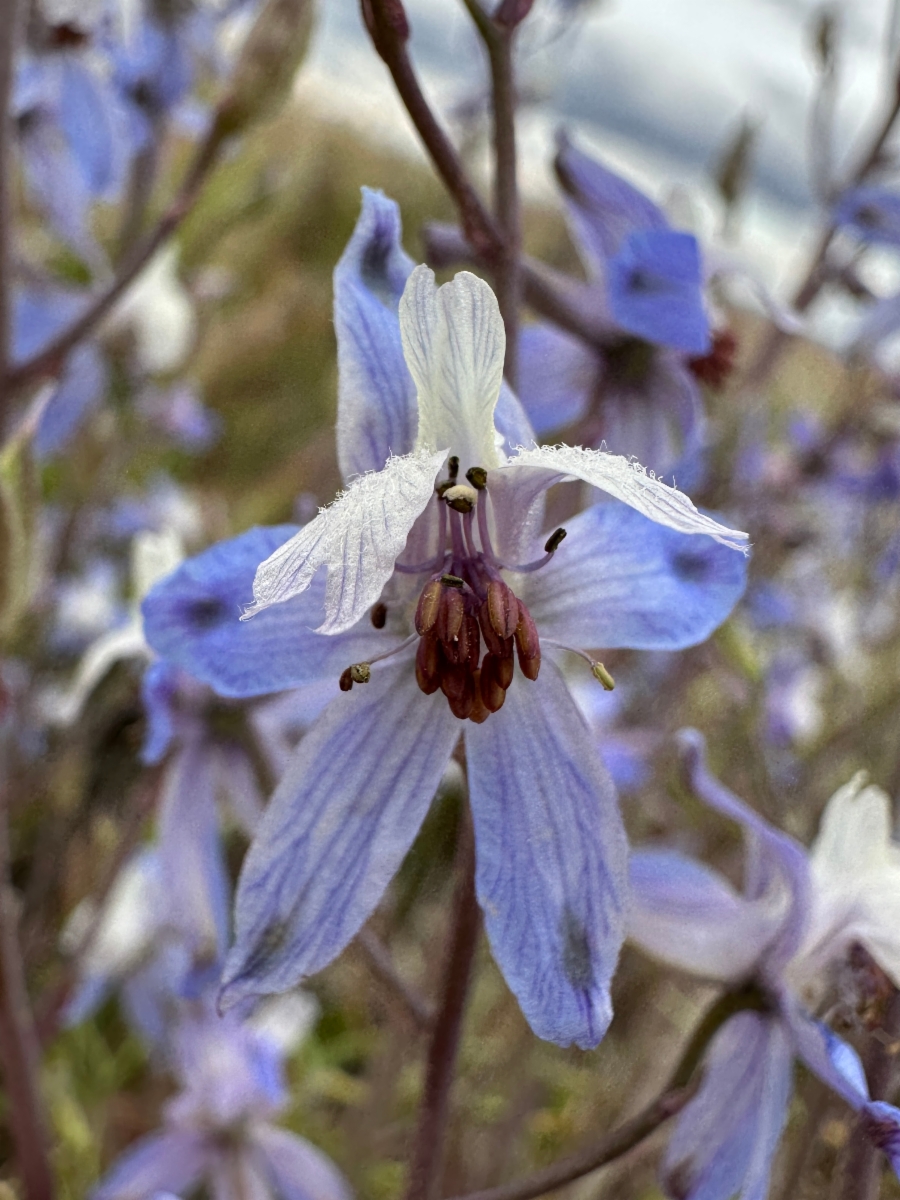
[[336, 830], [621, 580], [551, 858], [725, 1140], [192, 619]]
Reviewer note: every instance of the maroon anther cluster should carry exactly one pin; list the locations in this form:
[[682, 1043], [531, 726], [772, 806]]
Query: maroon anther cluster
[[453, 615]]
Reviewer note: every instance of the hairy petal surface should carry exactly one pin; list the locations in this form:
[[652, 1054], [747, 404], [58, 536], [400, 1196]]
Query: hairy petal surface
[[357, 538], [623, 478], [377, 413], [690, 917], [172, 1161], [454, 343], [298, 1170], [551, 858], [191, 619], [621, 580], [336, 830], [725, 1140]]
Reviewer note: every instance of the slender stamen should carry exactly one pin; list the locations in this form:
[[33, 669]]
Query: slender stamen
[[468, 524], [361, 672], [598, 670], [433, 564], [551, 546], [484, 530]]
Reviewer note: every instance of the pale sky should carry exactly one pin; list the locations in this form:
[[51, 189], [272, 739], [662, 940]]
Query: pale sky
[[655, 86]]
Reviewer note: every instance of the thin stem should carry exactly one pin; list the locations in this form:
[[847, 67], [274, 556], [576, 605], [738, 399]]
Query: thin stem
[[816, 273], [466, 921], [388, 29], [48, 360], [680, 1089], [863, 1163], [498, 41], [9, 31], [19, 1053], [383, 966]]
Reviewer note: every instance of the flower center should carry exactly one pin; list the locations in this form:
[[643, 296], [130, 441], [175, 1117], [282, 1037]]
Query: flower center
[[471, 625]]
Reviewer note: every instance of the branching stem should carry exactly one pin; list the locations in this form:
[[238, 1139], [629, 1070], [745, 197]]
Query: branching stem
[[680, 1089], [498, 40]]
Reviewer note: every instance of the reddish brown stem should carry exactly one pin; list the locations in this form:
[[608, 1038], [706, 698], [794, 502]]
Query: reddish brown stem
[[428, 1146], [386, 23]]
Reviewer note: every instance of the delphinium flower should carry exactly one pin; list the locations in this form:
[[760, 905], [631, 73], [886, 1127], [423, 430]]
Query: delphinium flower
[[786, 937], [218, 1130], [639, 393], [439, 584]]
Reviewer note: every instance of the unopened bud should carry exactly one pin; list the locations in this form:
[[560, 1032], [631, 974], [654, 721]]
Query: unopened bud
[[603, 676], [266, 64]]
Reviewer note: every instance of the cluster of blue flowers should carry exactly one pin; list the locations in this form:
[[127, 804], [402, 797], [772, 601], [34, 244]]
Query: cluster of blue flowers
[[308, 689]]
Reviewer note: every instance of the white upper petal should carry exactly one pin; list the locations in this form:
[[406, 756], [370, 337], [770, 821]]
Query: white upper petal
[[629, 482], [358, 538], [854, 833], [454, 343]]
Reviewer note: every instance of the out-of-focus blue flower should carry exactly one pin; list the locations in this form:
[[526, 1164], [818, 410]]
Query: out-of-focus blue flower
[[651, 273], [82, 383], [218, 1129], [445, 565], [872, 213], [793, 924], [179, 413], [638, 393], [72, 139]]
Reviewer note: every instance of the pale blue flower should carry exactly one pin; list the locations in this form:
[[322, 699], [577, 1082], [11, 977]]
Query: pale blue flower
[[638, 393], [786, 933], [421, 569], [218, 1130]]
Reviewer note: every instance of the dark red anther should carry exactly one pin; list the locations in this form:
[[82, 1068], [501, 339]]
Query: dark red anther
[[458, 685], [503, 608], [428, 664], [379, 615], [491, 640], [428, 607], [345, 683], [506, 665], [492, 694], [480, 712], [528, 644], [450, 615], [474, 640]]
